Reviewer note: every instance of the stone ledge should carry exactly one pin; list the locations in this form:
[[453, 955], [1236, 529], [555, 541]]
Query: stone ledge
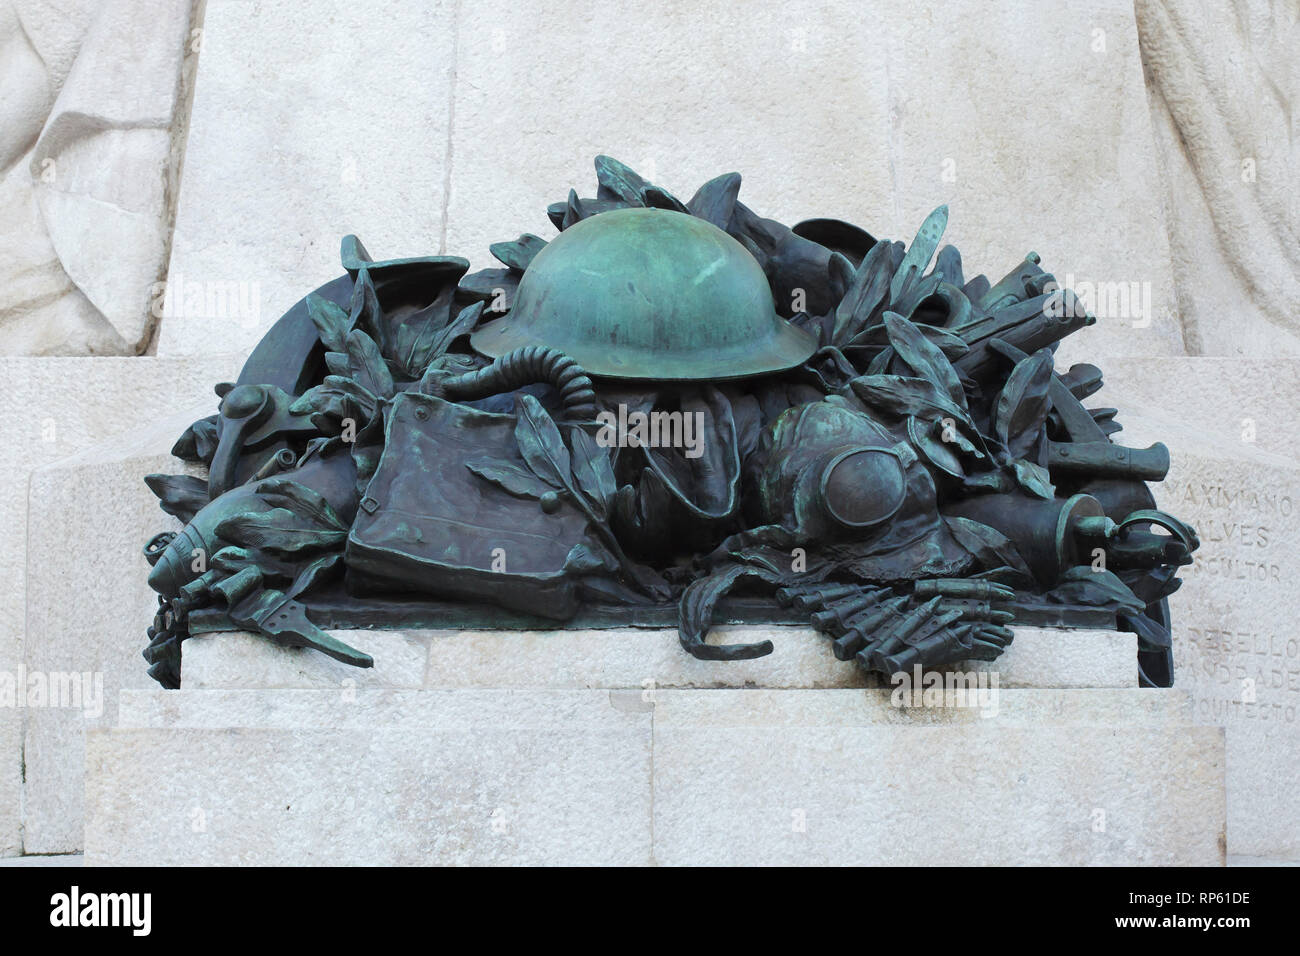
[[542, 782], [393, 777], [1047, 795], [623, 658]]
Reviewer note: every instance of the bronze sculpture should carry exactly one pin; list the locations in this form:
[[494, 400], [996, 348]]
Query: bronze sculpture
[[672, 411]]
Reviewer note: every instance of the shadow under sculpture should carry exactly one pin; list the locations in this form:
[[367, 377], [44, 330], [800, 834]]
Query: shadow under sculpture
[[671, 413]]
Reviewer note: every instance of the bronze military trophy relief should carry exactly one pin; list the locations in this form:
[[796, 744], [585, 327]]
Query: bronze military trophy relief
[[672, 412]]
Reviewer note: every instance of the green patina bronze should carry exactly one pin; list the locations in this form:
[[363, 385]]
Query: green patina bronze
[[649, 294], [877, 445]]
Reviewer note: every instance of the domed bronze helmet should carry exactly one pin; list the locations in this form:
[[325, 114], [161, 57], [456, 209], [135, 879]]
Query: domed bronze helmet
[[649, 294]]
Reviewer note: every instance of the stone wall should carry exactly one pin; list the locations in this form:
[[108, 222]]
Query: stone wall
[[1038, 140], [1113, 141]]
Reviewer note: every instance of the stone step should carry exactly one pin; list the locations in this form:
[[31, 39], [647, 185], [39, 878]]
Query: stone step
[[390, 777], [625, 658], [567, 785], [768, 790]]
